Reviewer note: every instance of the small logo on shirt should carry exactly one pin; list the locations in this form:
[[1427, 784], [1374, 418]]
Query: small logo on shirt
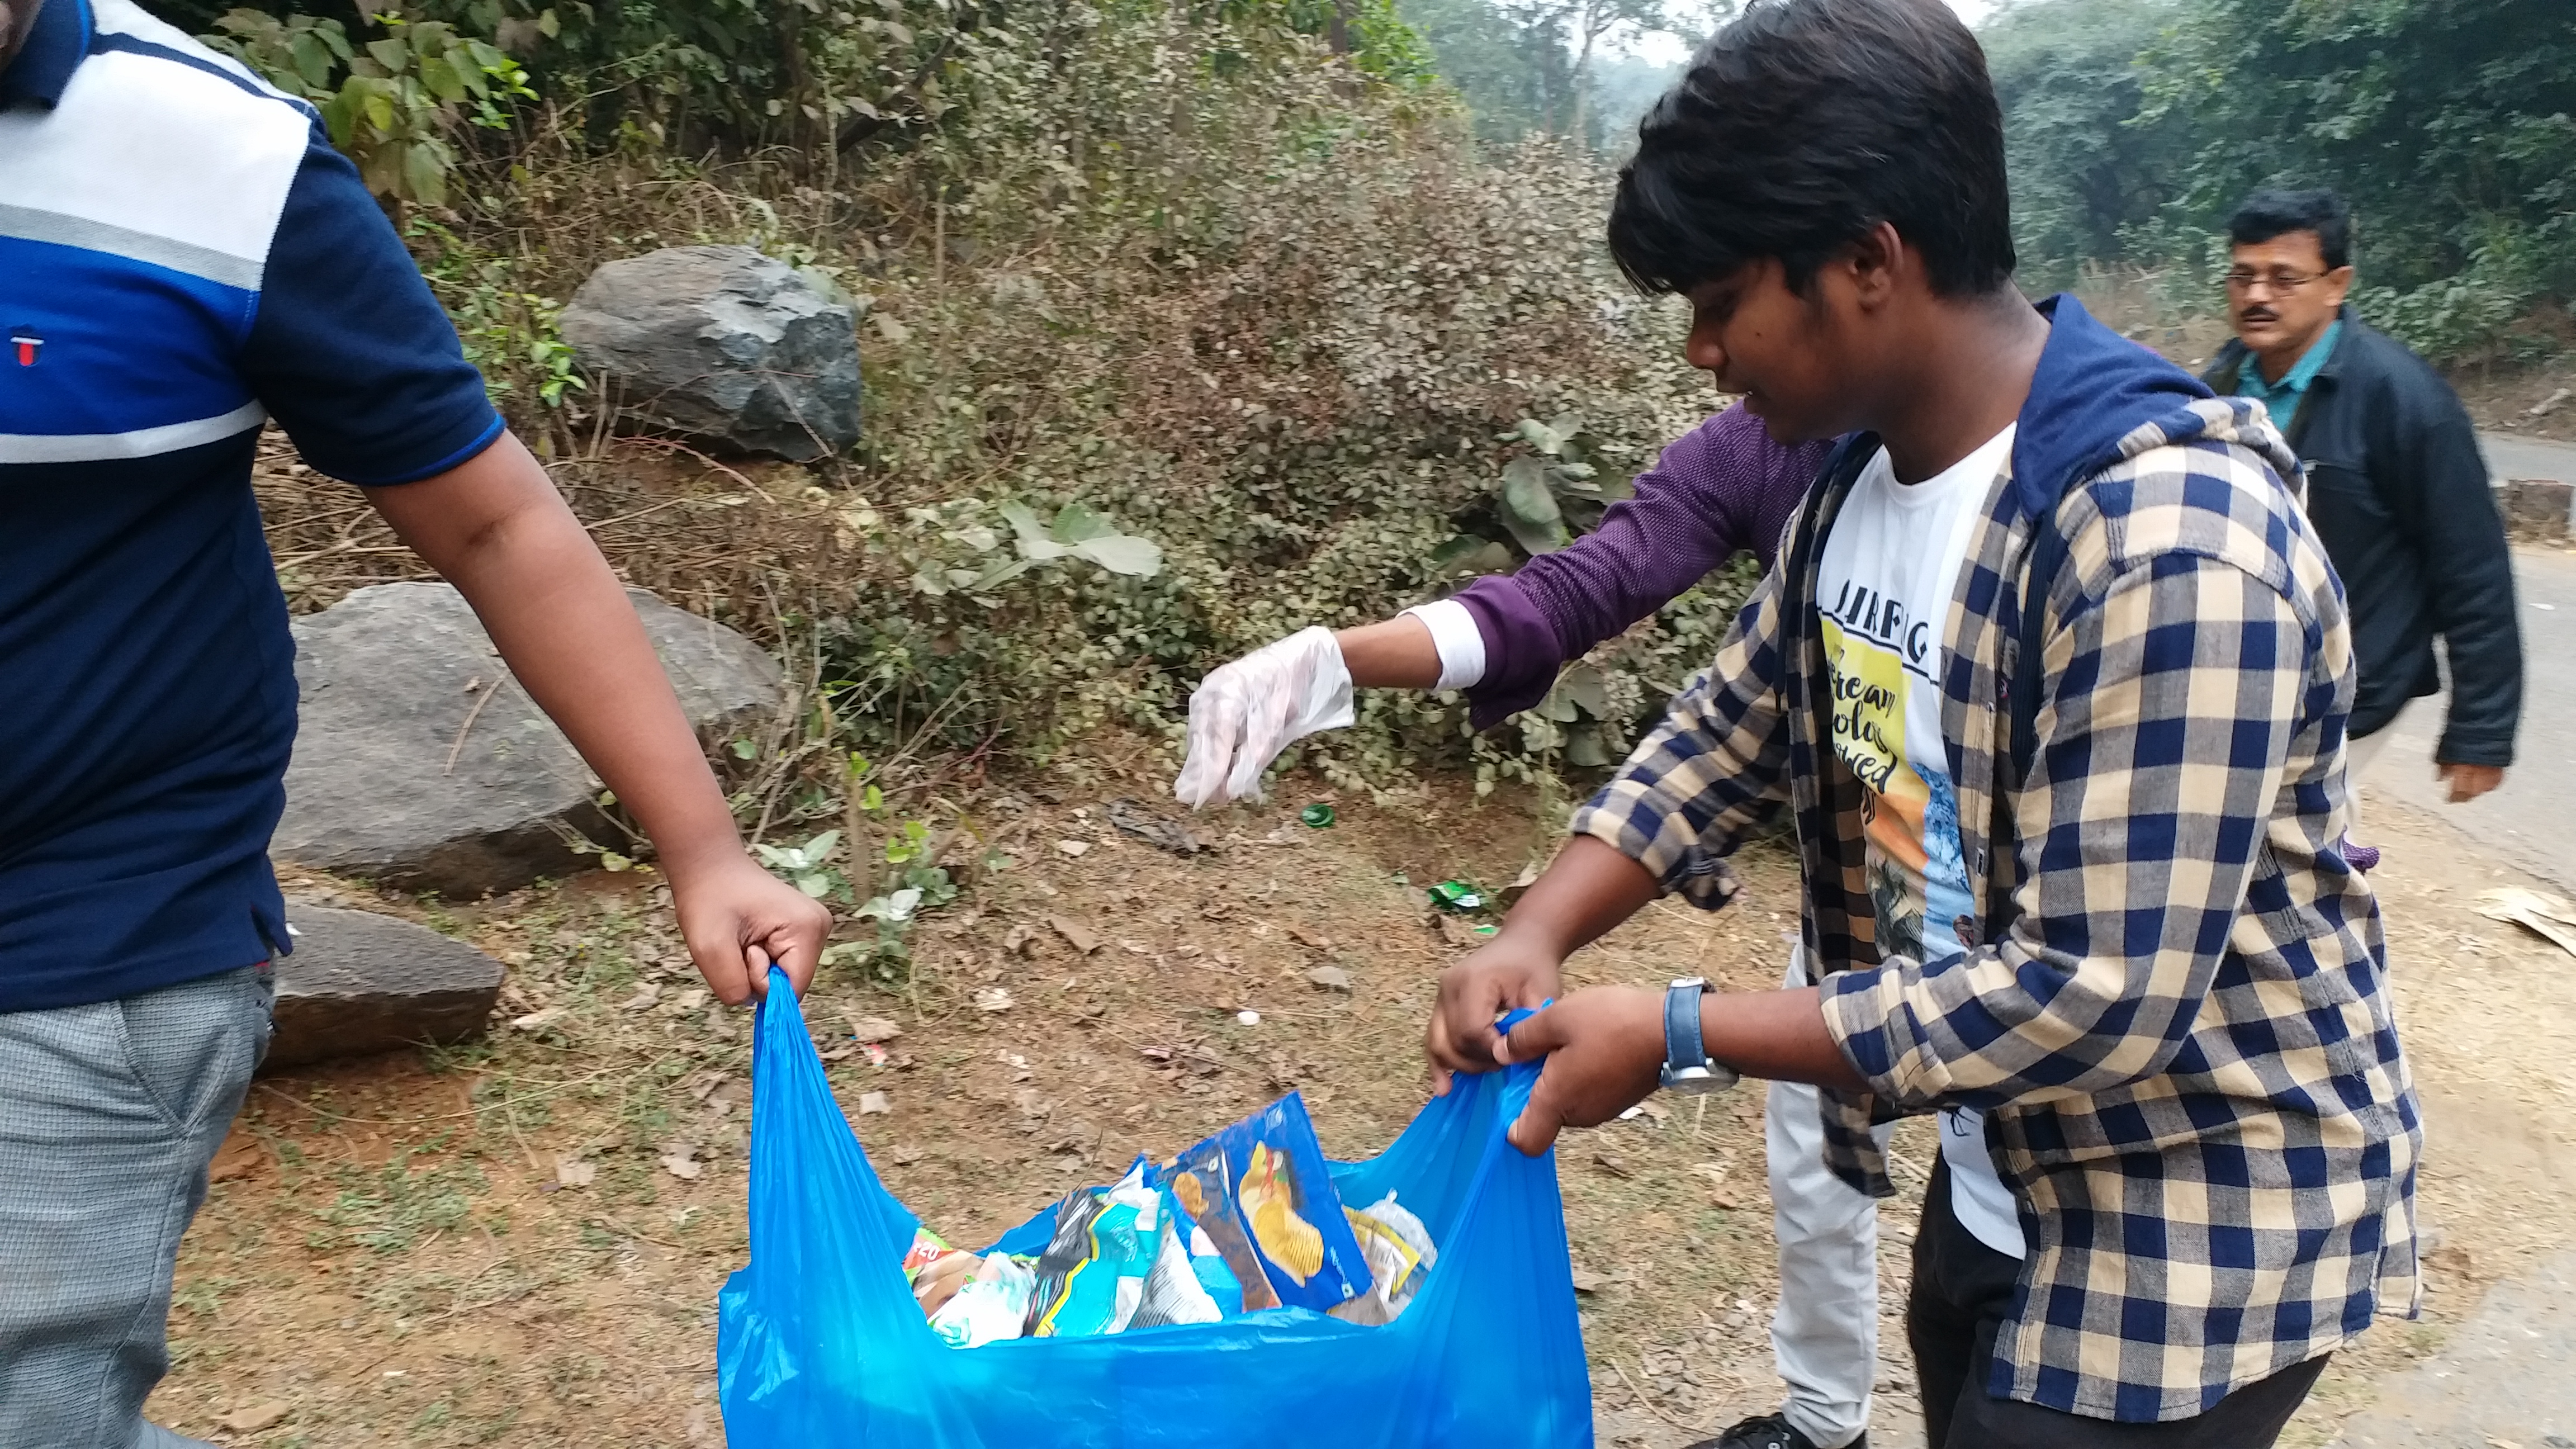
[[26, 344]]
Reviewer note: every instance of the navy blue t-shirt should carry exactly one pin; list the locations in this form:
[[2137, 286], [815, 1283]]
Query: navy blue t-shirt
[[182, 255]]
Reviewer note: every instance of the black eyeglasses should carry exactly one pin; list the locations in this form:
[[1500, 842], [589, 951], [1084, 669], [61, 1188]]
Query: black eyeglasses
[[2277, 282]]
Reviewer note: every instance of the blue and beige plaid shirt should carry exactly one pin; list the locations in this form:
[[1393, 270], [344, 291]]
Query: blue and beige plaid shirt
[[2182, 1029]]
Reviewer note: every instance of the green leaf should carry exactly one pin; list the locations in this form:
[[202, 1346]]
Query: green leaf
[[392, 54], [1032, 537], [815, 884], [1075, 523], [1583, 747], [819, 849], [744, 749], [1123, 553], [1584, 685], [1529, 507]]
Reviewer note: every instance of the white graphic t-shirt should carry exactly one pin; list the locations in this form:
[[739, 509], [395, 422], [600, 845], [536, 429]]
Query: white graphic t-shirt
[[1890, 566]]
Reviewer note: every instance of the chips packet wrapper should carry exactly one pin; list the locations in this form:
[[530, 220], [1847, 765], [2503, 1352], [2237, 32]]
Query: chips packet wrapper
[[1262, 1191]]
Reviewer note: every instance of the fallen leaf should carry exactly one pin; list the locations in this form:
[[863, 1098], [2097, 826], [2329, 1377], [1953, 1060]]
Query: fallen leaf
[[645, 995], [1610, 1164], [538, 1020], [903, 1156], [1725, 1199], [681, 1160], [254, 1418], [1075, 934], [571, 1171], [1075, 848], [1153, 829], [994, 998], [1309, 938], [874, 1104], [1330, 978], [867, 1030], [1654, 1109], [1458, 932], [1018, 939]]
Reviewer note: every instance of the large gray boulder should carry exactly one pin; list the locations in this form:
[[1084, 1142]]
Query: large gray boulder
[[723, 343], [422, 763], [359, 983]]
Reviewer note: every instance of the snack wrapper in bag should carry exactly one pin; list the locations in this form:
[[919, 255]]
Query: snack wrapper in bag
[[1117, 1261], [1262, 1190], [993, 1305], [1400, 1255]]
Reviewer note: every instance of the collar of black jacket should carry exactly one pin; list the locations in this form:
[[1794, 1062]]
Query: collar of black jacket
[[2223, 368]]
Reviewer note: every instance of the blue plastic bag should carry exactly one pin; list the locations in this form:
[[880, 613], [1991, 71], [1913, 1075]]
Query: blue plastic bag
[[821, 1346]]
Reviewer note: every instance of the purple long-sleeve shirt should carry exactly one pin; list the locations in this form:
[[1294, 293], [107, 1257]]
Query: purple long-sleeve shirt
[[1721, 488]]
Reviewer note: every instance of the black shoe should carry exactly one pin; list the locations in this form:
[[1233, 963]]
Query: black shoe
[[1770, 1431]]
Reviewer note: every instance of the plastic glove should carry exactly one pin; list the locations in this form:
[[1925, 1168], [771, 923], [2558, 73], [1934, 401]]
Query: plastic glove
[[1243, 714]]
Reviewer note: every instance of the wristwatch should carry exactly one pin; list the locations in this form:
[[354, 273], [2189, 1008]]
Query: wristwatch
[[1687, 1064]]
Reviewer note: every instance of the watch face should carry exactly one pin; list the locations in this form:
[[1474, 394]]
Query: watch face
[[1693, 1081]]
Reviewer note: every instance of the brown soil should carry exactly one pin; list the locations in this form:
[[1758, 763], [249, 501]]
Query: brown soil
[[389, 1257]]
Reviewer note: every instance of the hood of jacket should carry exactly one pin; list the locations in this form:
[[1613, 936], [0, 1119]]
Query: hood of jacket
[[2099, 398]]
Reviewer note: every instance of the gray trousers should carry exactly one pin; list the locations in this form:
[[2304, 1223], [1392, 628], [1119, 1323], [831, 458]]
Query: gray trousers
[[109, 1115]]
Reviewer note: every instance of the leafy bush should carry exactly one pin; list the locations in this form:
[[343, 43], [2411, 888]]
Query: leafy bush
[[1182, 268]]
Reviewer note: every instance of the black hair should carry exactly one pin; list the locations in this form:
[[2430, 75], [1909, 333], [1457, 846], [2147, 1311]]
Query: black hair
[[1803, 124], [2275, 212]]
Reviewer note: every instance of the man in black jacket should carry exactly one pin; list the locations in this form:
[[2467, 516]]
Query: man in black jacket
[[2396, 487]]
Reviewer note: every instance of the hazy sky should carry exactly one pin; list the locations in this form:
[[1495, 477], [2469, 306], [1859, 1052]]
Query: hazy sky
[[1672, 49]]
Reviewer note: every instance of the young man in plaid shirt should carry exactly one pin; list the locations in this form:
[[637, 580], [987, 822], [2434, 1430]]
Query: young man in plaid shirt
[[2053, 675]]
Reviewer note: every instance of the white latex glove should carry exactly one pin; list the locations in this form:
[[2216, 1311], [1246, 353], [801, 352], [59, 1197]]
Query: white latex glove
[[1243, 714]]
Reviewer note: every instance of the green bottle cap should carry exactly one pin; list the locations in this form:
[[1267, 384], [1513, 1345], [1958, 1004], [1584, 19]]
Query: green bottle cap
[[1317, 816]]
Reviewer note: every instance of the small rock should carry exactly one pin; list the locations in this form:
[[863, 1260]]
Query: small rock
[[1330, 978], [571, 1171], [1018, 940], [1308, 938], [538, 1020], [1075, 848], [359, 982], [870, 1030], [680, 1159], [874, 1104], [645, 995], [994, 998], [254, 1418], [1075, 934], [1587, 1281]]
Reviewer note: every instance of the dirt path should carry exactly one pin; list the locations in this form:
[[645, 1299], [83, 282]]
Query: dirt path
[[392, 1257]]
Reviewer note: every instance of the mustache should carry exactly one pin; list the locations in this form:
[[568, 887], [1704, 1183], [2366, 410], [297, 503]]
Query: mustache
[[2259, 314]]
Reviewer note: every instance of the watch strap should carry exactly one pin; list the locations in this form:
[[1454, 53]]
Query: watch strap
[[1683, 1048]]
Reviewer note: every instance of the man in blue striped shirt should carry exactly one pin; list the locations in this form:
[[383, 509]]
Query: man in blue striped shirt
[[183, 256]]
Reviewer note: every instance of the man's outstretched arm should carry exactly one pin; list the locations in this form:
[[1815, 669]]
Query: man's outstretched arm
[[498, 530]]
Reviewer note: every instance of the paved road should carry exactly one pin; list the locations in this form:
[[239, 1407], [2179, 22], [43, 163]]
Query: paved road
[[2507, 1376], [2512, 457], [2527, 822]]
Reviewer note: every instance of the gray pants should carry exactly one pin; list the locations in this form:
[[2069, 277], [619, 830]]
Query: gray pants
[[109, 1114]]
